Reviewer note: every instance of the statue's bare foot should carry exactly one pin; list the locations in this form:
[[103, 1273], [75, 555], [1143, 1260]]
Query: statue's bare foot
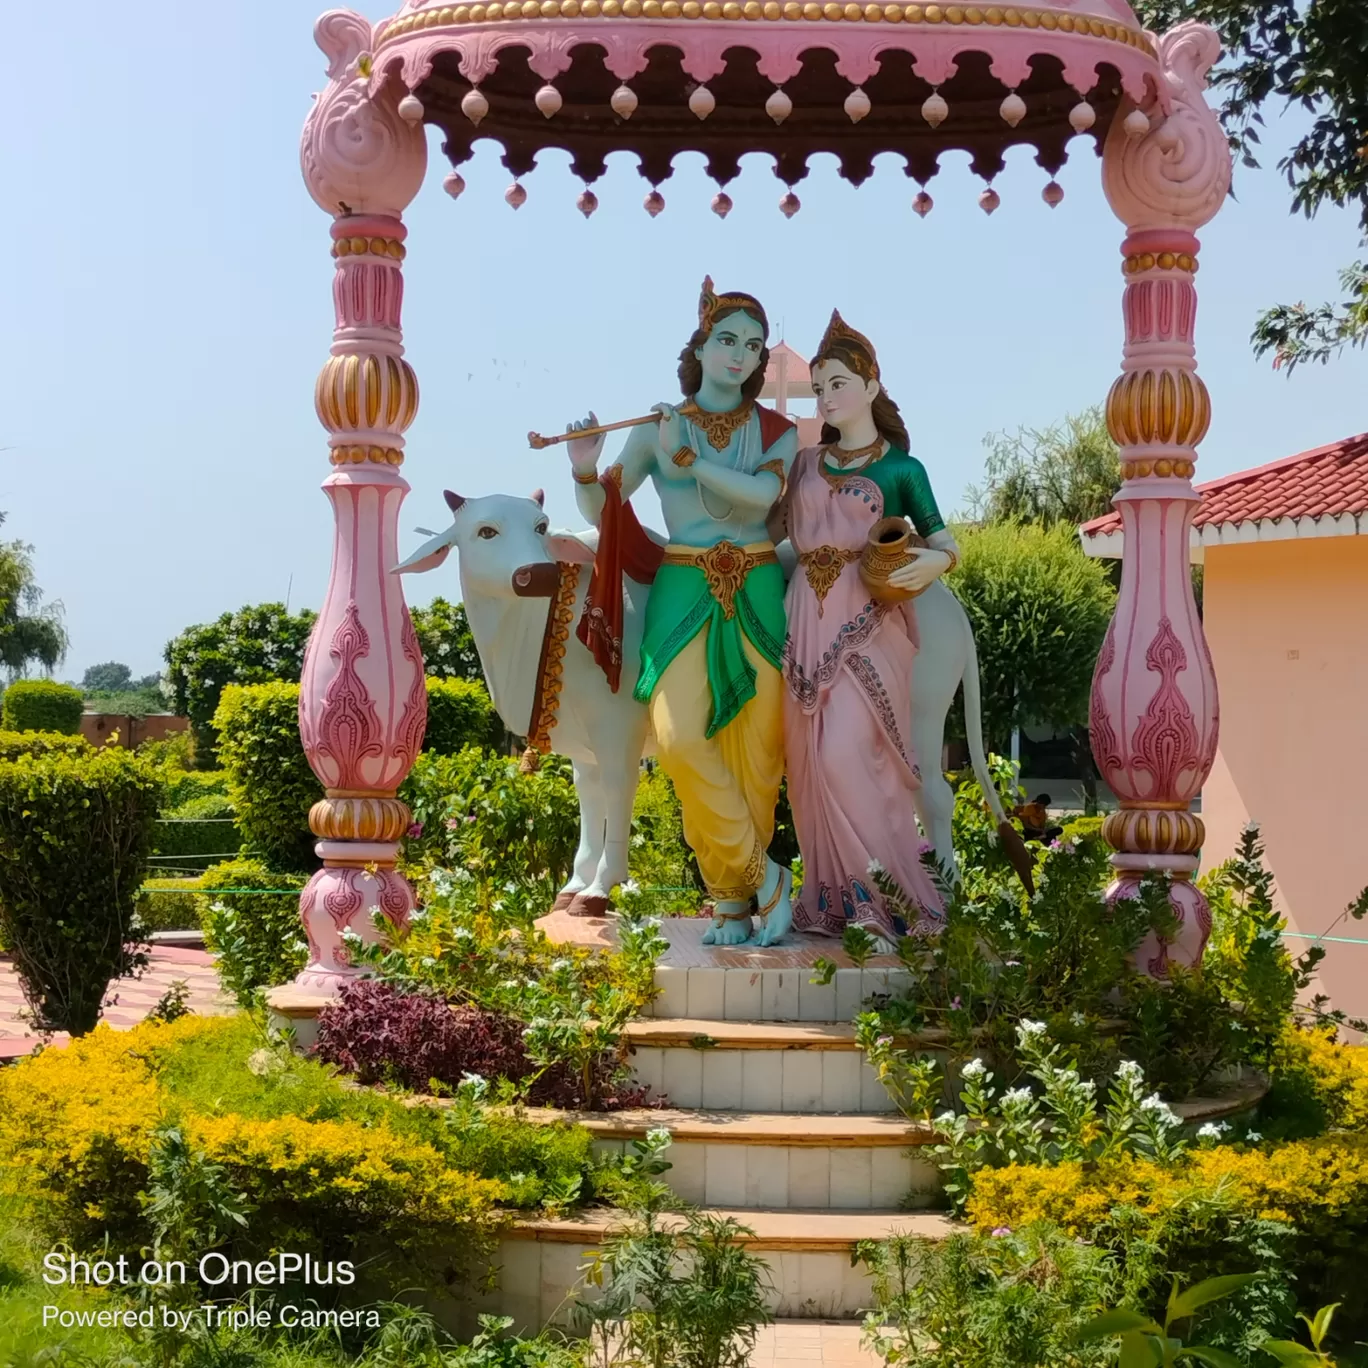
[[731, 925], [881, 945], [776, 906]]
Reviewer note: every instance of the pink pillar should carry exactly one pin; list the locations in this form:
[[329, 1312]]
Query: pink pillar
[[363, 697], [1154, 713]]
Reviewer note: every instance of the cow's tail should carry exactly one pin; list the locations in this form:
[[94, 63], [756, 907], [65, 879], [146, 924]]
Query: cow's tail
[[1014, 846]]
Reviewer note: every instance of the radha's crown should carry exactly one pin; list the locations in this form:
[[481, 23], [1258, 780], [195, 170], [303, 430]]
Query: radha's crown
[[864, 361], [711, 304]]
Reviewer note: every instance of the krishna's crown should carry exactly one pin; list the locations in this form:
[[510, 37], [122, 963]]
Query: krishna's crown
[[711, 304], [864, 362]]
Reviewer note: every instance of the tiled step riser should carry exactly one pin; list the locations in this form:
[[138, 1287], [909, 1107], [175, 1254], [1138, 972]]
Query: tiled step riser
[[734, 994], [540, 1280], [762, 1080], [801, 1177]]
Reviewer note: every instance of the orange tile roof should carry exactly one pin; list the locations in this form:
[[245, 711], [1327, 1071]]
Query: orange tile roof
[[1322, 483]]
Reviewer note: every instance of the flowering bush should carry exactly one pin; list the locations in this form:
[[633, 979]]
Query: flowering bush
[[252, 924]]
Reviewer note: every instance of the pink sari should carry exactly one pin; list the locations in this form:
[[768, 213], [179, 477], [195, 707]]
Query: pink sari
[[847, 716]]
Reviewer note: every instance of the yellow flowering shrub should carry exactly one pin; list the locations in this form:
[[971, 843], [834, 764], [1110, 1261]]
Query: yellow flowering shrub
[[76, 1129], [1333, 1077]]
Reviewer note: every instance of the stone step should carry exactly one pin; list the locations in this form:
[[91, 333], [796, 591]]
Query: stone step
[[758, 1066], [541, 1262], [779, 1160]]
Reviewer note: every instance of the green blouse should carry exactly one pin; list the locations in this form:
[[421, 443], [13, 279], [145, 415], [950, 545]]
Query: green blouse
[[906, 490]]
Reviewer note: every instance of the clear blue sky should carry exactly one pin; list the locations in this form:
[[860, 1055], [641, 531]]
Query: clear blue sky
[[167, 309]]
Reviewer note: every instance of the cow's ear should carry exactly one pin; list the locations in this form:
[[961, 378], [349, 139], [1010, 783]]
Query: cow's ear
[[539, 497], [453, 501]]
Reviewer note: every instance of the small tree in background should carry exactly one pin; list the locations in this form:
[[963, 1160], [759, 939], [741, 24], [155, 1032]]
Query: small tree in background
[[31, 631], [1039, 608], [255, 645], [42, 705], [446, 641]]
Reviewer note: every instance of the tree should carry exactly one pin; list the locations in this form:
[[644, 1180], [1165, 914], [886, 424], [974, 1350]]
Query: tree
[[1039, 608], [111, 677], [446, 641], [31, 631], [1315, 55], [255, 645], [1067, 473]]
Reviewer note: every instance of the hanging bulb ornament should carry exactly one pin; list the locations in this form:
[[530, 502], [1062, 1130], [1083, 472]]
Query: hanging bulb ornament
[[989, 200], [548, 100], [1013, 109], [790, 205], [722, 204], [857, 105], [587, 202], [702, 102], [515, 196], [934, 109], [654, 203], [624, 102], [923, 204], [779, 106], [411, 108], [1137, 124], [1082, 116], [454, 184], [1052, 193], [474, 105]]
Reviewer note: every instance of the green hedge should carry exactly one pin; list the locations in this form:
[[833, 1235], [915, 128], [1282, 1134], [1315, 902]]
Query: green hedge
[[460, 714], [75, 835], [169, 905], [13, 744], [42, 705], [257, 936], [269, 780]]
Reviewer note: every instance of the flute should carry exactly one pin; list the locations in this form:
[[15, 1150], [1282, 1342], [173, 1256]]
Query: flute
[[536, 441]]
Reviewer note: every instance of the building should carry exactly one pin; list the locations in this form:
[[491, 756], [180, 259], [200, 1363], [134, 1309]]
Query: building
[[787, 378], [1285, 607]]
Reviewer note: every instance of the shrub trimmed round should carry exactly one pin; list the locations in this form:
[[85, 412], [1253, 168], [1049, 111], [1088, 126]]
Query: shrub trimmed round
[[75, 836], [42, 705]]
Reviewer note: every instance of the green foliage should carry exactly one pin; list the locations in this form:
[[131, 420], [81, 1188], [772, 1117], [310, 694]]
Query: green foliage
[[75, 834], [255, 645], [446, 641], [269, 780], [986, 1301], [31, 631], [42, 705], [257, 935], [514, 834], [13, 744], [460, 714], [1064, 474], [168, 905], [1039, 608], [659, 857], [1279, 52]]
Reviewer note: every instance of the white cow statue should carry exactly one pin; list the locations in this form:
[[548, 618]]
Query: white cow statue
[[509, 579]]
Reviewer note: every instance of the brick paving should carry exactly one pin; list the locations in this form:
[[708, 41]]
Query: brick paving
[[809, 1344], [130, 999]]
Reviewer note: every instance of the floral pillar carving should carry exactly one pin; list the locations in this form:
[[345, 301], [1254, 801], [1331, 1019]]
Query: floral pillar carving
[[1154, 709], [363, 698]]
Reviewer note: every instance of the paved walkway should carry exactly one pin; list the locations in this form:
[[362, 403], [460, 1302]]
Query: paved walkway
[[807, 1344], [130, 999]]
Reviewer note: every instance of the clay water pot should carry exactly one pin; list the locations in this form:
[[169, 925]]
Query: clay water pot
[[890, 542]]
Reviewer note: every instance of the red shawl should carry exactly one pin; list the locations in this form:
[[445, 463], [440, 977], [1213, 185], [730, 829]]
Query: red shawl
[[625, 549]]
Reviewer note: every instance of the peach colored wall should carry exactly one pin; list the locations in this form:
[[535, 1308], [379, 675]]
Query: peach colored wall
[[1287, 623]]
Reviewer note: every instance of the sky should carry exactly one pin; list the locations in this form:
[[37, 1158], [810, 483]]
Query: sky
[[167, 307]]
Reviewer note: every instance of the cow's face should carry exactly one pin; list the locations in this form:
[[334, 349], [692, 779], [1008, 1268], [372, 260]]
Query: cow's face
[[495, 536]]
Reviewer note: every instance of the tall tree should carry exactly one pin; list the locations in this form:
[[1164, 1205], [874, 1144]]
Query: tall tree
[[1312, 53], [111, 677], [1067, 473], [31, 631]]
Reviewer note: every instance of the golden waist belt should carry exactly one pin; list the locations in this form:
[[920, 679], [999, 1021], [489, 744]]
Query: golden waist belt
[[823, 567], [724, 566]]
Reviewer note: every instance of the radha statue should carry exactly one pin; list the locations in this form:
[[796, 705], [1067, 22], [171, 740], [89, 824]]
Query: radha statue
[[849, 653]]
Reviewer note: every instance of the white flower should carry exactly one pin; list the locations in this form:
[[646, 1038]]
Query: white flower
[[1130, 1072], [658, 1135], [1029, 1030], [1078, 1019], [975, 1068], [1213, 1130], [631, 886], [945, 1119], [559, 966], [874, 867], [1160, 1110], [1253, 1137], [1015, 1097]]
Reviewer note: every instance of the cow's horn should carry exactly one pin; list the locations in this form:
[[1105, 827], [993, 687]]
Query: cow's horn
[[454, 501], [539, 497]]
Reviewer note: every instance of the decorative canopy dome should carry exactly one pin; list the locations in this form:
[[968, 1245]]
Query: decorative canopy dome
[[787, 77]]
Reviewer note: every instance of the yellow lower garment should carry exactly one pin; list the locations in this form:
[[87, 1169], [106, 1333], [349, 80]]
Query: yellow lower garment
[[728, 786]]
